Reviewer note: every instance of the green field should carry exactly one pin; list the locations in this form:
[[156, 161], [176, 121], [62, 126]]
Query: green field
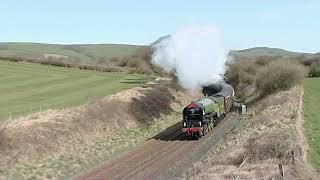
[[312, 118], [30, 87]]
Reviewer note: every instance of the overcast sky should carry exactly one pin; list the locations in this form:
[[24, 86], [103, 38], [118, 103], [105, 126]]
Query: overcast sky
[[289, 24]]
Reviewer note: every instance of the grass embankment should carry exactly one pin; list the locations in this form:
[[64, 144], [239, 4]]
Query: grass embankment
[[312, 119], [30, 87], [77, 160]]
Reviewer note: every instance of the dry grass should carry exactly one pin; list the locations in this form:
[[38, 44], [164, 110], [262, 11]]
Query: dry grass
[[57, 142], [88, 154], [267, 136]]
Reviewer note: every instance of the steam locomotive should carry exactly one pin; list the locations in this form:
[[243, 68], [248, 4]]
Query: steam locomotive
[[202, 115]]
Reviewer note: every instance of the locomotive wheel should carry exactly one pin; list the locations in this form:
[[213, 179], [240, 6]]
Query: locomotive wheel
[[216, 121], [205, 130], [186, 136], [199, 134], [222, 116]]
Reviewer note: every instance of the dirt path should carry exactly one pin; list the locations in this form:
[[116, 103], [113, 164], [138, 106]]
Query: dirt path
[[166, 156]]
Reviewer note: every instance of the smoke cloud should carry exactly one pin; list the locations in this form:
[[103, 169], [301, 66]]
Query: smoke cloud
[[195, 54]]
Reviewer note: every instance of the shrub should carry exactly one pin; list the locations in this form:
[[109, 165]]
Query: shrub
[[265, 59], [113, 59], [279, 75], [123, 62], [308, 61], [143, 53], [135, 63], [270, 145], [315, 69], [241, 73]]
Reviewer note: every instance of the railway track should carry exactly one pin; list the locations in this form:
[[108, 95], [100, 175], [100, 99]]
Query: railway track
[[153, 147], [165, 156]]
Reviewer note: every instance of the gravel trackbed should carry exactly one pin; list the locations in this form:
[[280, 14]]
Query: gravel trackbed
[[168, 155]]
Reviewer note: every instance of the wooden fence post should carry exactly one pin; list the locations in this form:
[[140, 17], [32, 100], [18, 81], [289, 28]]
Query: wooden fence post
[[293, 158], [281, 171]]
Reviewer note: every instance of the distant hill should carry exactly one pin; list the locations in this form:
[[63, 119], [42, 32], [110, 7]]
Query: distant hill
[[84, 53], [265, 52], [109, 57], [88, 53], [257, 53], [121, 57]]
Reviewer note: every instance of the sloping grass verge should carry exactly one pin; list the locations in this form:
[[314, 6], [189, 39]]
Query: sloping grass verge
[[85, 156]]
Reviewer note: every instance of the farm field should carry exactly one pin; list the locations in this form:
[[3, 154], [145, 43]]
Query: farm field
[[30, 87], [312, 118]]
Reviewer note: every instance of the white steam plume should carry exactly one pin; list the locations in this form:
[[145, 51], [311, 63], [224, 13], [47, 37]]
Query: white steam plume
[[194, 53]]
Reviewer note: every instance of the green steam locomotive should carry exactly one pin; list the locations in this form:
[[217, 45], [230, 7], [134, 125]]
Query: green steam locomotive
[[202, 115]]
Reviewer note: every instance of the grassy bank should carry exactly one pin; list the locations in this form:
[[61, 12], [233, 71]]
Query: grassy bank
[[79, 159], [312, 118], [30, 87]]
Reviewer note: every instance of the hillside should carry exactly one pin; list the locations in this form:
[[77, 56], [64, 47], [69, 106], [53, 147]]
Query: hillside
[[121, 56], [101, 57], [259, 53], [85, 53], [265, 52]]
